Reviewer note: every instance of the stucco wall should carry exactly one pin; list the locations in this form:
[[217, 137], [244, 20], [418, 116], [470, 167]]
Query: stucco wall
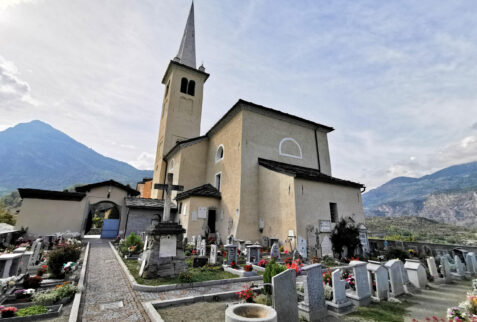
[[261, 138], [313, 203], [276, 205], [44, 217], [197, 227], [139, 220], [230, 137], [116, 195]]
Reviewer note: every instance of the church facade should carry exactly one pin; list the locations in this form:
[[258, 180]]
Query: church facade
[[258, 174]]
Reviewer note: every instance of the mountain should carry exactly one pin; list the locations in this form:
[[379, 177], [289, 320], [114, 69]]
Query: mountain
[[36, 155], [448, 195]]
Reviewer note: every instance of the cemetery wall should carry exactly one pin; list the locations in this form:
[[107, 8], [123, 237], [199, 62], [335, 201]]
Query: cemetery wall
[[379, 244], [116, 195], [276, 204], [139, 220], [44, 216]]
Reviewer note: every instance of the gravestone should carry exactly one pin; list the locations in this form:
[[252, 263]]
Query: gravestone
[[431, 263], [379, 274], [340, 302], [193, 241], [459, 267], [326, 247], [362, 295], [469, 264], [37, 253], [446, 270], [217, 239], [231, 254], [203, 248], [408, 287], [9, 264], [284, 296], [474, 261], [275, 251], [213, 254], [19, 250], [416, 272], [253, 254], [25, 260], [199, 243], [395, 277], [246, 244], [313, 307]]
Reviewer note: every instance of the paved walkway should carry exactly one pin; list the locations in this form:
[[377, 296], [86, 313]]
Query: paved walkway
[[435, 299], [108, 295]]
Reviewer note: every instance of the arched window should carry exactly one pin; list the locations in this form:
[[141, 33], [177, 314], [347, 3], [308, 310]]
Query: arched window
[[184, 82], [191, 88], [289, 147], [219, 155]]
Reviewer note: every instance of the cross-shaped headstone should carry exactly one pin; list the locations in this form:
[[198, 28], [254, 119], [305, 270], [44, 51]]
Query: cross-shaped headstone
[[168, 188]]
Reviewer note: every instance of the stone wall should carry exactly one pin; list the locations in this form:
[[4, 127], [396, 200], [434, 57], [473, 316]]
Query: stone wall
[[378, 244]]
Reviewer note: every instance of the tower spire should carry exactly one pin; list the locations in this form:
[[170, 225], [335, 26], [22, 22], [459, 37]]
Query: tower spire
[[186, 54]]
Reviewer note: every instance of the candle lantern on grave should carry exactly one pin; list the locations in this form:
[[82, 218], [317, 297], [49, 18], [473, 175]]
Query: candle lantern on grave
[[165, 253]]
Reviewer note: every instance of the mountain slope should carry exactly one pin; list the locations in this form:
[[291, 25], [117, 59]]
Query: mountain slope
[[448, 195], [36, 155]]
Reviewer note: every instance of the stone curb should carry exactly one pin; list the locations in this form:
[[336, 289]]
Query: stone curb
[[151, 306], [77, 300], [162, 288]]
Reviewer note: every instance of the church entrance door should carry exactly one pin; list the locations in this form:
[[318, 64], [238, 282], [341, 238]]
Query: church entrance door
[[211, 221]]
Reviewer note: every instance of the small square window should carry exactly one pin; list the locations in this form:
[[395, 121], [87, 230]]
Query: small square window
[[333, 212]]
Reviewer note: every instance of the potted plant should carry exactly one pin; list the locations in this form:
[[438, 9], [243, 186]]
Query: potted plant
[[246, 294], [247, 268]]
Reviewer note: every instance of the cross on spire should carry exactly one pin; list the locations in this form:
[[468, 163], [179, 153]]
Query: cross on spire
[[168, 188], [186, 54]]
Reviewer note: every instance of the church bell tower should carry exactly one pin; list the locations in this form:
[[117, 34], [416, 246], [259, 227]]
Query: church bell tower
[[182, 106]]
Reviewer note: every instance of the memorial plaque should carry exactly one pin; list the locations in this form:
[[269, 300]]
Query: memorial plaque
[[202, 213], [325, 226], [168, 246]]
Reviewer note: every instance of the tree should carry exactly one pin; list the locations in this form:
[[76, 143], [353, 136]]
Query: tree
[[345, 234], [5, 216]]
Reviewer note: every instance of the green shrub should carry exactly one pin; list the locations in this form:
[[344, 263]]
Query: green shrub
[[185, 277], [32, 310], [62, 255], [45, 299], [272, 269], [134, 241], [66, 290], [393, 253]]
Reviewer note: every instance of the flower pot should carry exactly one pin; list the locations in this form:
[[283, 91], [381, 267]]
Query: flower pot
[[250, 312]]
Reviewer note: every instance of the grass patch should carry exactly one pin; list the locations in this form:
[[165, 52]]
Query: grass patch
[[382, 311], [198, 275]]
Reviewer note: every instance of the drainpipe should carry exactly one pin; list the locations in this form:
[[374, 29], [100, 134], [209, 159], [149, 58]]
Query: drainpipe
[[317, 151], [165, 177]]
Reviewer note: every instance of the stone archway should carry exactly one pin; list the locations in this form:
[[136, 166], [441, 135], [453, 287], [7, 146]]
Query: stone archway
[[103, 219]]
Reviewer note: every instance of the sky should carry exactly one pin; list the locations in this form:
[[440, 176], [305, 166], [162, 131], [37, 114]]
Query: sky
[[396, 79]]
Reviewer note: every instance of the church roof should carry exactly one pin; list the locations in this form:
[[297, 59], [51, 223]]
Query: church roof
[[305, 173], [186, 54], [146, 203], [182, 144], [113, 183], [242, 104], [50, 194], [206, 190]]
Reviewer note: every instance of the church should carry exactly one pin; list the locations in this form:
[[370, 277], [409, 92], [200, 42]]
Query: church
[[258, 175]]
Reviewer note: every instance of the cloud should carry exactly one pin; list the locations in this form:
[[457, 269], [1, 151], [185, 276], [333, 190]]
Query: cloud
[[474, 126], [12, 88], [5, 4], [145, 161]]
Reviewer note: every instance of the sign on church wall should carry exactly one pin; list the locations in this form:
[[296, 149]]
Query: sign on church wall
[[325, 226], [202, 213]]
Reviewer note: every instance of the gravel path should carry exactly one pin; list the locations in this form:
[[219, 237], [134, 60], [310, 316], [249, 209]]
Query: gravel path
[[108, 295]]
